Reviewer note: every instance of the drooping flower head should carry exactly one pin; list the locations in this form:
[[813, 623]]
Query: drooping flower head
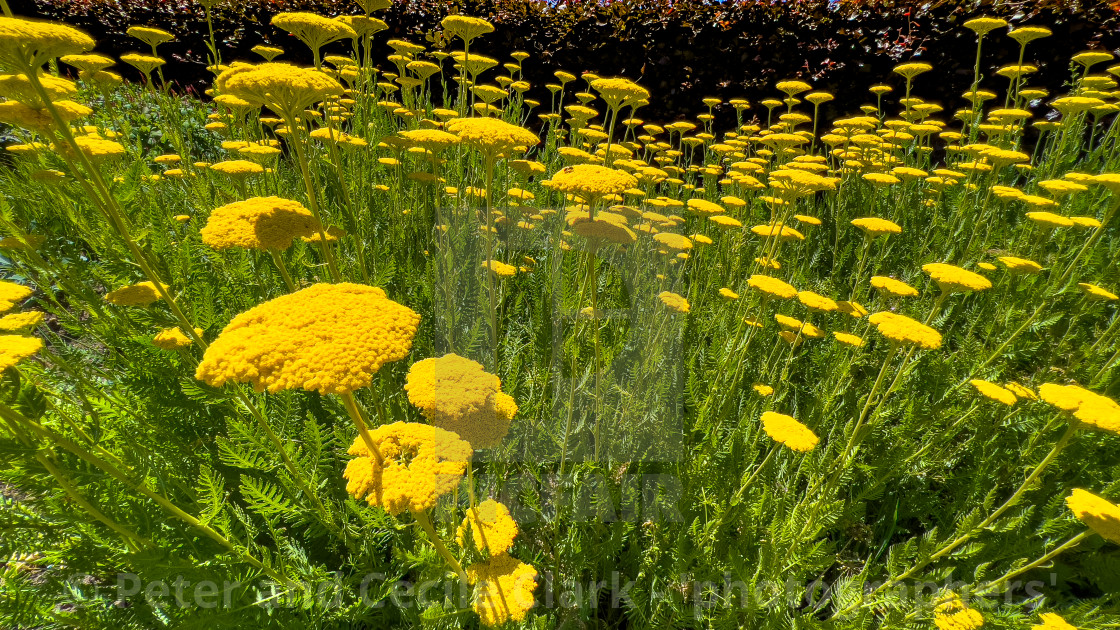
[[457, 394], [418, 464], [786, 430], [329, 338], [268, 223], [503, 589], [491, 527]]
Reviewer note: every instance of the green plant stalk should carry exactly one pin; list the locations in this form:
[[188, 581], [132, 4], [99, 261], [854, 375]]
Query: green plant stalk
[[141, 488], [362, 426], [283, 269], [295, 132], [441, 549]]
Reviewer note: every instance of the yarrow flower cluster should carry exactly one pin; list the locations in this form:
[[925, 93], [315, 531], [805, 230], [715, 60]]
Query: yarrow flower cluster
[[1099, 514], [490, 526], [139, 294], [268, 223], [906, 331], [1092, 409], [788, 431], [329, 338], [503, 589], [415, 466], [457, 394]]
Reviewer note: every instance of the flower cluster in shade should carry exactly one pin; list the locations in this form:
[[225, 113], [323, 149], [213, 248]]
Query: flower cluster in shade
[[458, 395], [417, 464], [1097, 513], [503, 589], [174, 338], [139, 294], [329, 338], [490, 526], [268, 223]]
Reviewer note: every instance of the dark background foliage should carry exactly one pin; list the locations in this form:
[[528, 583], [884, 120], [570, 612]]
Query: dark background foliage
[[682, 50]]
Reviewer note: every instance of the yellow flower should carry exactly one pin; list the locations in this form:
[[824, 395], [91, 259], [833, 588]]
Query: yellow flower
[[491, 527], [314, 30], [1028, 34], [503, 589], [418, 464], [763, 390], [15, 348], [329, 338], [619, 92], [1098, 513], [1049, 219], [904, 330], [268, 52], [960, 619], [19, 321], [913, 69], [817, 302], [772, 286], [855, 309], [674, 302], [281, 87], [10, 294], [786, 430], [592, 181], [88, 64], [1051, 621], [173, 338], [500, 269], [602, 229], [139, 294], [725, 221], [465, 27], [805, 329], [456, 394], [892, 287], [269, 223], [994, 392], [1094, 292], [953, 279], [150, 36], [779, 231], [672, 241], [237, 168], [39, 119], [848, 339], [143, 63], [432, 139], [18, 87], [1020, 265], [982, 25], [874, 226], [728, 293], [491, 135], [28, 44], [704, 207]]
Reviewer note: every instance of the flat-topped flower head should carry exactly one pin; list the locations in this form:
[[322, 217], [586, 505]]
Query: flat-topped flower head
[[1091, 408], [1026, 34], [329, 338], [18, 87], [874, 226], [911, 70], [174, 339], [1097, 513], [12, 294], [19, 321], [503, 589], [457, 394], [788, 431], [465, 27], [893, 288], [143, 63], [88, 64], [26, 45], [418, 464], [602, 230], [817, 302], [139, 294], [704, 207], [994, 392], [772, 286], [268, 223], [150, 36], [669, 240], [592, 181], [281, 87], [779, 231], [906, 331], [312, 29], [674, 302], [1020, 265], [237, 168], [982, 25], [268, 52], [491, 135], [491, 528], [619, 92], [848, 339], [1094, 292], [16, 348], [953, 279]]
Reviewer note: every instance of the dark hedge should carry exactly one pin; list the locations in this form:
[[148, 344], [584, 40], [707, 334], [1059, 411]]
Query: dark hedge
[[681, 50]]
